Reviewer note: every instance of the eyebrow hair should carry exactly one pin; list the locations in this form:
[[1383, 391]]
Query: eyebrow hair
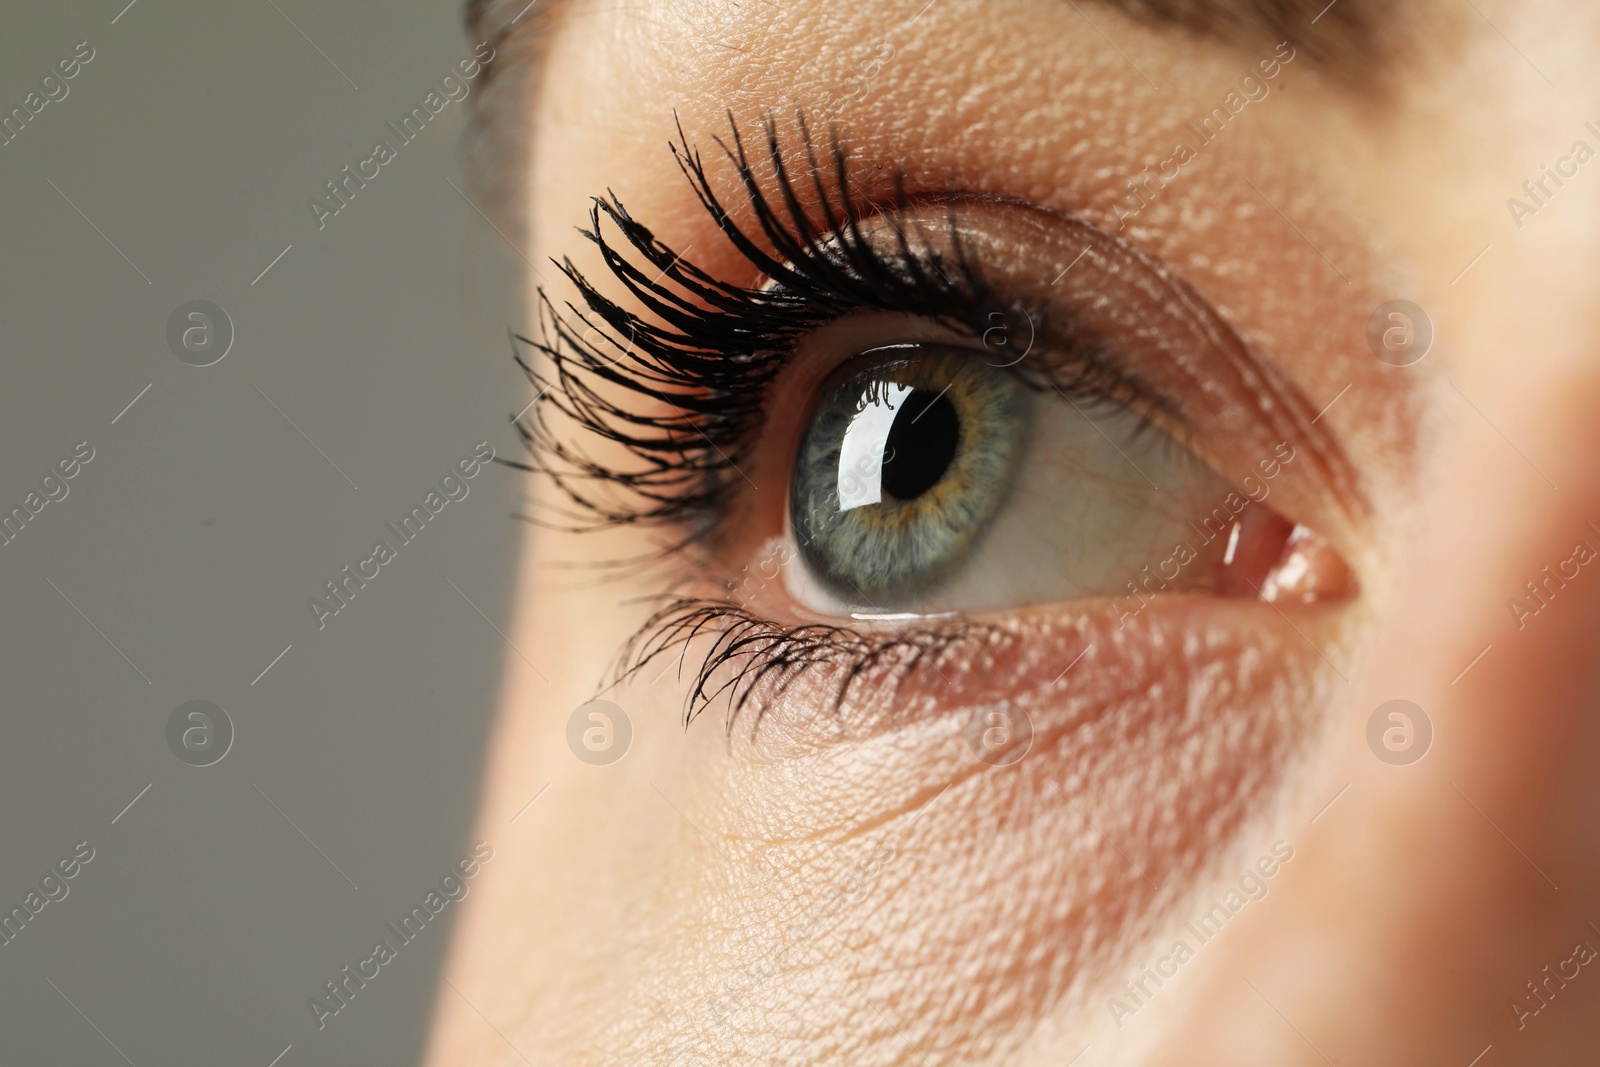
[[1343, 38]]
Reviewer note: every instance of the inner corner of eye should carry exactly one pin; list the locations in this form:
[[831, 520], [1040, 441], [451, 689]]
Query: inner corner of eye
[[928, 480]]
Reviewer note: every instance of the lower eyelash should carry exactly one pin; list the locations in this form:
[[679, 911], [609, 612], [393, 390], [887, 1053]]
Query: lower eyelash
[[753, 661], [687, 396]]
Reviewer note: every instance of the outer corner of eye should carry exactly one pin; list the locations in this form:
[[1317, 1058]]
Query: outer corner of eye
[[1286, 563]]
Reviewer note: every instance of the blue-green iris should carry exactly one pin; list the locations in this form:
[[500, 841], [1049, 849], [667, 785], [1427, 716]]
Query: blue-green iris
[[907, 457]]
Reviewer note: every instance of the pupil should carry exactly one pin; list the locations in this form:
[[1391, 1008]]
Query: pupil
[[920, 445]]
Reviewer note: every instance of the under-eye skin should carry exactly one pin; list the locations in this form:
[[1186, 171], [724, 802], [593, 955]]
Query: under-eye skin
[[980, 440]]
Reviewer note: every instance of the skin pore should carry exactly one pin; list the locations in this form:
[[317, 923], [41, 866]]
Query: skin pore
[[857, 888]]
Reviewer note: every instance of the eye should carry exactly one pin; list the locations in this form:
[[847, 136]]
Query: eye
[[836, 410], [907, 457], [930, 479]]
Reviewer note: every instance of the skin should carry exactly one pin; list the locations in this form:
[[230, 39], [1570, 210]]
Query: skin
[[680, 905]]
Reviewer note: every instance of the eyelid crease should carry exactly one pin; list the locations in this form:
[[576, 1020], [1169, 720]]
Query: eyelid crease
[[686, 396], [687, 393], [1217, 354]]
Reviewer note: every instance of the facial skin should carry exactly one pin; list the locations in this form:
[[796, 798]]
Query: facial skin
[[861, 890]]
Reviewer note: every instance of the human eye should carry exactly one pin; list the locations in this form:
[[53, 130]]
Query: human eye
[[930, 480], [892, 424]]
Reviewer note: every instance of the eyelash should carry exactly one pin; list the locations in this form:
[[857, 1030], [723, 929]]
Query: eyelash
[[694, 379], [717, 346], [752, 661]]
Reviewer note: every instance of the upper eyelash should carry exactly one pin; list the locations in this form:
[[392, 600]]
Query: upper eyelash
[[699, 368], [698, 361]]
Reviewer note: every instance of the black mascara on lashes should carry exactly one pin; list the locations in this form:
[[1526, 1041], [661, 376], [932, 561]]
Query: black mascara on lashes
[[682, 384], [687, 395]]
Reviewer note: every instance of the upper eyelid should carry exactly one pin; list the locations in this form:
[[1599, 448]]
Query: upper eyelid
[[1292, 412], [708, 379], [1236, 355], [698, 355], [669, 495], [1330, 459]]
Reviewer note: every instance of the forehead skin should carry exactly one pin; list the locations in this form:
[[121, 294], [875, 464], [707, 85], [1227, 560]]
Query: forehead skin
[[1318, 204]]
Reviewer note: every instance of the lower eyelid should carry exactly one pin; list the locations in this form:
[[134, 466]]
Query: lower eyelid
[[1010, 236], [1148, 749], [865, 676]]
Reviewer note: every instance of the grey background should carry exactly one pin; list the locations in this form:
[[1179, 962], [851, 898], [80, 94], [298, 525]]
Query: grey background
[[194, 538]]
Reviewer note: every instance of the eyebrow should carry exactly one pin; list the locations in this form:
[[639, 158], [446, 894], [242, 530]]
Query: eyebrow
[[1342, 37], [1345, 39]]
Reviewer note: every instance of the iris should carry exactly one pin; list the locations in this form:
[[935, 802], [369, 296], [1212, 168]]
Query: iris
[[906, 458]]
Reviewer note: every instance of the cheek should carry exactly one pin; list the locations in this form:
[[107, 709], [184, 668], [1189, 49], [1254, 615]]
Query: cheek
[[1143, 767]]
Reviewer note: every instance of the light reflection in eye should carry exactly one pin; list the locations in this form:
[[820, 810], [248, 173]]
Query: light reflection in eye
[[901, 504], [862, 451], [907, 456]]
